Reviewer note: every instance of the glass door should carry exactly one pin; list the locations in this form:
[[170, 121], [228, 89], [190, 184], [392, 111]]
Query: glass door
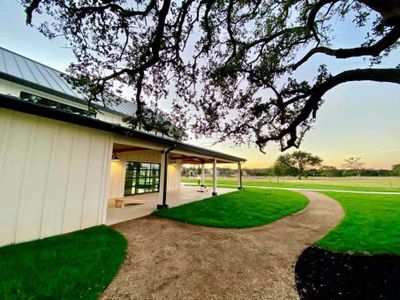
[[141, 178]]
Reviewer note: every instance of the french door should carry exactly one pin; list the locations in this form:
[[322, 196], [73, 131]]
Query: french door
[[141, 178]]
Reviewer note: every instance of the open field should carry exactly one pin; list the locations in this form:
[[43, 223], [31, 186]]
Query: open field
[[378, 184], [241, 209]]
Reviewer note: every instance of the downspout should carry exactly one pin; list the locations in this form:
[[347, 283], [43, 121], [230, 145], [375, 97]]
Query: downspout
[[164, 204]]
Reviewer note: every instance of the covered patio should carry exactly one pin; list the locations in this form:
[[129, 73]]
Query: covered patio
[[145, 175], [185, 194]]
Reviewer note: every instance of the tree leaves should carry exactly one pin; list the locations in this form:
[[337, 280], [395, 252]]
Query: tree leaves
[[226, 67]]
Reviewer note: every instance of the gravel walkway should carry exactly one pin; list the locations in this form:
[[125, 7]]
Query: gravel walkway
[[171, 260]]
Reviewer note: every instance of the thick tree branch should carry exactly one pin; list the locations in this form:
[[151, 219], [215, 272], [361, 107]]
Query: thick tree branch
[[30, 9], [374, 50], [318, 91]]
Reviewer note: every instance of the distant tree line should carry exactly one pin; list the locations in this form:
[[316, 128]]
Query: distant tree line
[[323, 171], [301, 164]]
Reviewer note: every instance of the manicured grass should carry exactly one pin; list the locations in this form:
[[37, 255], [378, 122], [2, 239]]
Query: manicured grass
[[371, 224], [378, 184], [79, 265], [245, 208]]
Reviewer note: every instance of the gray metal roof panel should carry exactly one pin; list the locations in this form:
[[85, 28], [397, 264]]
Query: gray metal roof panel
[[26, 71], [11, 65], [16, 65]]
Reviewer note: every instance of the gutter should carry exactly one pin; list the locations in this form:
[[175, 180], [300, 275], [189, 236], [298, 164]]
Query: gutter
[[164, 204]]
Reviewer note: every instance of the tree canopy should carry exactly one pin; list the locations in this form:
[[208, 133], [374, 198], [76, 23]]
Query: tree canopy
[[396, 169], [298, 161], [227, 67]]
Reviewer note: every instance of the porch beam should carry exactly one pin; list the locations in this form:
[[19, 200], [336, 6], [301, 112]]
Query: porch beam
[[131, 149]]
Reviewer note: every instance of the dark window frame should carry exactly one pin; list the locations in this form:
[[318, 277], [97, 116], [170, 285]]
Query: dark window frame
[[149, 178]]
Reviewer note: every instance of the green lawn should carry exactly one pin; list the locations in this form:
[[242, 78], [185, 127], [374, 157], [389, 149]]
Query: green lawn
[[379, 184], [242, 209], [79, 265], [371, 224]]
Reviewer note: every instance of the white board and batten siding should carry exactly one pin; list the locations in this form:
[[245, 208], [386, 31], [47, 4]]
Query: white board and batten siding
[[53, 177]]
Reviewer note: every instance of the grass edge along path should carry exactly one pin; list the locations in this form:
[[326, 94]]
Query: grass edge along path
[[78, 265], [242, 209], [371, 225]]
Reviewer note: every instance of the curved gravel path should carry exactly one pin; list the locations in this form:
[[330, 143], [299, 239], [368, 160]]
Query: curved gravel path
[[171, 260]]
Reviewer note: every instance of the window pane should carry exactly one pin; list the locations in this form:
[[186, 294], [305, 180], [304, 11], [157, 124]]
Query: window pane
[[141, 178]]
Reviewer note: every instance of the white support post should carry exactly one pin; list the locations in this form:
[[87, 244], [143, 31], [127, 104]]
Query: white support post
[[240, 182], [202, 175], [162, 177], [214, 193]]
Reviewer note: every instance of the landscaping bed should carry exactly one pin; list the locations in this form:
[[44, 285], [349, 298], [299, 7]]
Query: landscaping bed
[[79, 265], [360, 258], [323, 274]]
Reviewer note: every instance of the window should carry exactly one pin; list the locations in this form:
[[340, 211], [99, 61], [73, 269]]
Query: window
[[141, 178], [56, 105]]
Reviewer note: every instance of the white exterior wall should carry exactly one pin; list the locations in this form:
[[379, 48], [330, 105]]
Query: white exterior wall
[[118, 169], [14, 89], [53, 177], [174, 176]]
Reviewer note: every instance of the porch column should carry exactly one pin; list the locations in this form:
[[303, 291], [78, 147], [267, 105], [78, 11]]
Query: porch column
[[240, 183], [202, 175], [214, 193]]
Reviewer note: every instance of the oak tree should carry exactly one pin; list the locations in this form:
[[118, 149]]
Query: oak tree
[[354, 163], [226, 67], [299, 161]]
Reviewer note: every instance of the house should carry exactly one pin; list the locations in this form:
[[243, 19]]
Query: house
[[61, 165]]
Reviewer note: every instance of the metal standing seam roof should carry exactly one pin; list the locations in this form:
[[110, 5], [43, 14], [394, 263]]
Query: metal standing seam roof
[[23, 70]]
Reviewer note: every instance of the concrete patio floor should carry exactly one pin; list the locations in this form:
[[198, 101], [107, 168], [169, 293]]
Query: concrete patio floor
[[185, 194]]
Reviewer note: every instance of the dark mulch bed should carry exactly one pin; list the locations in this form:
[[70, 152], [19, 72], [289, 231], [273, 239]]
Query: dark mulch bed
[[322, 274]]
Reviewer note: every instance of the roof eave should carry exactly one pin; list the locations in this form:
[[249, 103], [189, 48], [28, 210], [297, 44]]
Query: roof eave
[[14, 103]]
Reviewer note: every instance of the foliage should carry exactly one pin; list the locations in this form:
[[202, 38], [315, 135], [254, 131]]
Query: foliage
[[242, 209], [298, 161], [78, 265], [232, 64], [396, 170], [258, 171], [371, 225]]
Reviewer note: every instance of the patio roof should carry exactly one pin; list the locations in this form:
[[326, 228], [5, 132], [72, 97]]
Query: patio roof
[[14, 103]]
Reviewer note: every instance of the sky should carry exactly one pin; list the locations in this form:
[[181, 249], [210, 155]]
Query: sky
[[359, 119]]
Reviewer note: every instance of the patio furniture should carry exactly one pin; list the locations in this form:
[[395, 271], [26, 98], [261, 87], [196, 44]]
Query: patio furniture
[[121, 202], [203, 189]]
